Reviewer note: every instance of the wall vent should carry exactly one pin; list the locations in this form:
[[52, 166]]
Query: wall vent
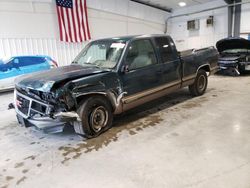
[[210, 21], [193, 25]]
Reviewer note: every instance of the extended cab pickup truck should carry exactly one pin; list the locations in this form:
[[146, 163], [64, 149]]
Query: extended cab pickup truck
[[108, 77]]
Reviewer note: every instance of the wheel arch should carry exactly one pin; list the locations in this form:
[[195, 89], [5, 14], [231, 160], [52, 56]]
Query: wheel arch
[[80, 99], [205, 67]]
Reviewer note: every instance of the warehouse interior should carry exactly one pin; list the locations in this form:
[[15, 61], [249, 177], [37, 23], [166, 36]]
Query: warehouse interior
[[174, 141]]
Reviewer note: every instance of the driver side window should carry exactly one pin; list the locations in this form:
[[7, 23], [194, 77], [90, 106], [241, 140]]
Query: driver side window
[[140, 54]]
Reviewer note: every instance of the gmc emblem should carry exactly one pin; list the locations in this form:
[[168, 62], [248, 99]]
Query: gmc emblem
[[19, 103]]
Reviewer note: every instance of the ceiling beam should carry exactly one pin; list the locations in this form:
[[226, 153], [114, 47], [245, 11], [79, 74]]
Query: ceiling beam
[[153, 5]]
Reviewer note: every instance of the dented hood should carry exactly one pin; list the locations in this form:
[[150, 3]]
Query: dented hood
[[45, 80], [232, 43]]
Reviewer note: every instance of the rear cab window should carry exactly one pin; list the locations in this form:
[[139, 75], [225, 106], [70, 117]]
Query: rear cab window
[[166, 48]]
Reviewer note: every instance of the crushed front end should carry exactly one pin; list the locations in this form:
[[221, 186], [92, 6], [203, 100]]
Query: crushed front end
[[39, 109], [229, 63], [235, 65], [234, 54]]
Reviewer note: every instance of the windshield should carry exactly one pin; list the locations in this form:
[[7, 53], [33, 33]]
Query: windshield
[[236, 51], [104, 54]]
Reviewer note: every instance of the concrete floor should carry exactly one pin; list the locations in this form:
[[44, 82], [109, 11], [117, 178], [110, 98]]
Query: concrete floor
[[176, 141]]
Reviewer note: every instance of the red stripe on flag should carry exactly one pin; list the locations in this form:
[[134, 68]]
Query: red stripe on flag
[[86, 15], [83, 26], [78, 21], [59, 22], [63, 21], [69, 28], [74, 25]]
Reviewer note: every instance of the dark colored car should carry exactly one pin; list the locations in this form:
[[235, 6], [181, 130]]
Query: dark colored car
[[234, 54], [108, 77]]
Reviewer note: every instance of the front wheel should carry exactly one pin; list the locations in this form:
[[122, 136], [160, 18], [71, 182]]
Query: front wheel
[[200, 84], [96, 117]]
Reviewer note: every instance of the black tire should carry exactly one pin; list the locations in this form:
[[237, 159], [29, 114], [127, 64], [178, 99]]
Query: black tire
[[96, 117], [199, 87]]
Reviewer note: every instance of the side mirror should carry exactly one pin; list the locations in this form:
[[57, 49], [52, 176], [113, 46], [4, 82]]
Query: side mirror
[[125, 69]]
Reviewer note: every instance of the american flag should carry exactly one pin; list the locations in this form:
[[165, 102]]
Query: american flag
[[73, 20]]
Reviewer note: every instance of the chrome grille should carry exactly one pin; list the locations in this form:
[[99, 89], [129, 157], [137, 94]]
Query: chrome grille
[[22, 104], [26, 106]]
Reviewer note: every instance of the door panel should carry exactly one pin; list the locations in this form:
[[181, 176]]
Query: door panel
[[144, 70], [171, 71], [13, 72], [142, 79], [10, 69], [34, 68]]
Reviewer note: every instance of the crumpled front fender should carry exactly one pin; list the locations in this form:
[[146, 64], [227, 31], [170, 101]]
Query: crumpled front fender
[[107, 85]]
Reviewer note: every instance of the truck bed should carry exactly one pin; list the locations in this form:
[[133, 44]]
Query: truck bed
[[194, 58], [195, 51]]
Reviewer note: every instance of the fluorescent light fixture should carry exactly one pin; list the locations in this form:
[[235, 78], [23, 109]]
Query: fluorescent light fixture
[[182, 4]]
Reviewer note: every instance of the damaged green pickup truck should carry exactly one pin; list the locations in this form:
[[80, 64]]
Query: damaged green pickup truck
[[108, 77]]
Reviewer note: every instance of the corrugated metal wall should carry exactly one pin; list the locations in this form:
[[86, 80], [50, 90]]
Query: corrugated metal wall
[[61, 52]]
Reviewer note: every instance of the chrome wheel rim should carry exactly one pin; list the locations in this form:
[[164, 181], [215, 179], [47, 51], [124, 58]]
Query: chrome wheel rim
[[201, 82], [98, 118]]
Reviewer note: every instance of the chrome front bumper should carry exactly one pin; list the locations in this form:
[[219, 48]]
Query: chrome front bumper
[[45, 124]]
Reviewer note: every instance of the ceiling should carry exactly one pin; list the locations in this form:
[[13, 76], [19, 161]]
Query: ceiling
[[173, 4]]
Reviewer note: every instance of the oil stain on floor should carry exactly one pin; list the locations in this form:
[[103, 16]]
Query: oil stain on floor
[[105, 139], [137, 120]]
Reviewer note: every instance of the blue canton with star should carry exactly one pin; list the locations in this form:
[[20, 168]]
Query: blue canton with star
[[65, 3]]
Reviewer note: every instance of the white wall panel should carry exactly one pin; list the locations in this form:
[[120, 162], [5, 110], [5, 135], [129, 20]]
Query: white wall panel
[[205, 36], [245, 26], [16, 6], [30, 27], [62, 52]]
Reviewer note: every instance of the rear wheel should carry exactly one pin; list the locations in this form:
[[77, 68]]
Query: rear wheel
[[200, 85], [96, 117]]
